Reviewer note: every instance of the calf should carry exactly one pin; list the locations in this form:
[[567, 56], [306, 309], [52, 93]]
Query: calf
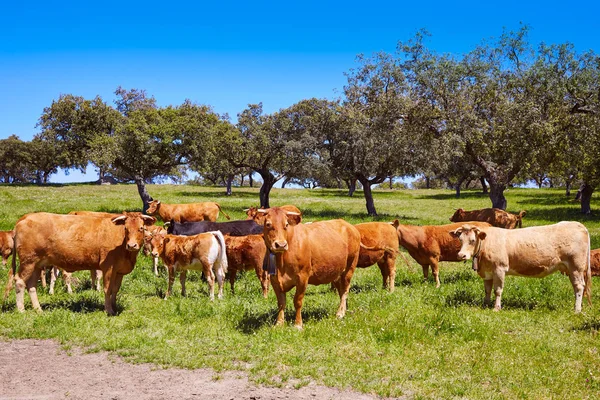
[[6, 245], [430, 244], [382, 240], [493, 216], [247, 253], [532, 252], [205, 252], [148, 247], [317, 253], [233, 228], [74, 243], [206, 211]]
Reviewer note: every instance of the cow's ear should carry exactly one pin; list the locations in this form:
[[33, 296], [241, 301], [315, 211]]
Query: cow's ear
[[148, 220], [120, 220], [259, 215], [167, 240], [481, 235], [294, 218], [395, 224], [456, 232]]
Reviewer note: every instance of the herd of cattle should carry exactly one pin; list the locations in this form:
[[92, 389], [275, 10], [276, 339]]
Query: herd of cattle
[[285, 252]]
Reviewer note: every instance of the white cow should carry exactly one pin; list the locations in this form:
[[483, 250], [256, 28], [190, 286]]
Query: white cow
[[533, 252]]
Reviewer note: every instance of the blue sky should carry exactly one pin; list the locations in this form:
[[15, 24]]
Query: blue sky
[[228, 54]]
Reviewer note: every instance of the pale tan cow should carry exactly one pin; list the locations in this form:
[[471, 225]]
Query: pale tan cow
[[532, 252], [191, 212]]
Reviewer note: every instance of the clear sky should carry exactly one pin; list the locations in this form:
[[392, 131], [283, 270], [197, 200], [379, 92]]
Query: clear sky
[[228, 54]]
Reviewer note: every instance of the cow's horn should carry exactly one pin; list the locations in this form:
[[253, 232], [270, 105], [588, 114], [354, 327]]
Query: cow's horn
[[292, 213], [119, 218], [167, 224], [262, 210], [246, 209]]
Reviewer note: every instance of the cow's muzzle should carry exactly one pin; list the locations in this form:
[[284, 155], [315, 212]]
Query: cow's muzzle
[[154, 254], [463, 256], [132, 246], [279, 246]]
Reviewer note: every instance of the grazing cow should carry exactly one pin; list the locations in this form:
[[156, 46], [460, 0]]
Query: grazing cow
[[247, 253], [494, 216], [252, 211], [205, 252], [233, 228], [595, 262], [532, 252], [317, 253], [192, 212], [74, 243], [148, 247], [383, 236], [6, 245], [430, 244]]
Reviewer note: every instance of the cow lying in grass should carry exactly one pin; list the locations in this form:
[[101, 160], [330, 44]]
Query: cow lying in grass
[[205, 252], [493, 216], [191, 212], [532, 252]]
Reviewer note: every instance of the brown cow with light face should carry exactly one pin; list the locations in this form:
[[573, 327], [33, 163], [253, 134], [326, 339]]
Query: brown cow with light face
[[430, 244], [192, 212], [493, 216], [383, 237], [6, 245], [316, 254], [74, 243], [533, 252], [150, 231]]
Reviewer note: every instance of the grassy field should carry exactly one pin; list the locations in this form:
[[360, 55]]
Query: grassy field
[[418, 341]]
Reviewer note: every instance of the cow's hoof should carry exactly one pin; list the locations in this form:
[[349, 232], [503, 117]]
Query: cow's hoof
[[299, 327], [340, 315], [496, 309]]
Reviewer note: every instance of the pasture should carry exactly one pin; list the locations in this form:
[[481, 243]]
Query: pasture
[[419, 341]]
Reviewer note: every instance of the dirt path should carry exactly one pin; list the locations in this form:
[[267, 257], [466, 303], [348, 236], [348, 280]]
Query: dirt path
[[40, 369]]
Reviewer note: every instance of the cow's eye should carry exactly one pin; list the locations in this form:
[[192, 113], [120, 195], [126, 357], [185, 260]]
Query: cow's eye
[[142, 229], [268, 224], [286, 225], [472, 241]]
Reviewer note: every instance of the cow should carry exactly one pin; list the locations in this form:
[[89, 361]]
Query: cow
[[233, 228], [247, 253], [252, 211], [6, 245], [430, 244], [204, 252], [100, 214], [494, 216], [531, 252], [383, 236], [192, 212], [148, 247], [74, 243], [595, 262], [317, 253]]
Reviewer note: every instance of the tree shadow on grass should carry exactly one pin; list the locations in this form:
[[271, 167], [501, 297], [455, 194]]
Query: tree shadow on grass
[[335, 214], [560, 214], [461, 297], [458, 276], [451, 195], [82, 305], [591, 323], [251, 322]]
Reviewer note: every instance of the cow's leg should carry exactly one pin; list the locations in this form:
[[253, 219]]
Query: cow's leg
[[114, 290], [220, 280], [280, 294], [25, 272], [171, 271], [31, 287], [232, 275], [182, 278], [68, 278], [425, 271], [388, 264], [435, 269], [578, 282], [4, 261], [155, 265], [498, 286], [43, 276], [108, 280], [53, 276], [95, 276], [210, 279], [343, 289], [298, 300], [488, 284], [263, 278]]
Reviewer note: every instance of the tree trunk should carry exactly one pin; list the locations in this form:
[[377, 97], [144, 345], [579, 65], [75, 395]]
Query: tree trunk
[[391, 183], [339, 183], [229, 182], [368, 197], [146, 198], [586, 197], [100, 176], [265, 189], [568, 191], [351, 186], [497, 195], [427, 183], [483, 185], [242, 181], [250, 180], [285, 182], [457, 187]]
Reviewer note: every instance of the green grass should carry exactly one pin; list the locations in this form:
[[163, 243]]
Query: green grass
[[420, 341]]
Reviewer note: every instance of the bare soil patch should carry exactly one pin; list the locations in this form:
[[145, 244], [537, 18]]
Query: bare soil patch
[[41, 369]]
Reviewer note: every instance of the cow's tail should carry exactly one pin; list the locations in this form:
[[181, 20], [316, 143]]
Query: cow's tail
[[221, 262], [588, 274], [521, 215], [11, 271], [221, 210]]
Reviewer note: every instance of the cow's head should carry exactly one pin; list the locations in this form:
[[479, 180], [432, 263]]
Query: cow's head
[[277, 224], [153, 207], [135, 225], [470, 238], [156, 241], [148, 235], [458, 215], [251, 212]]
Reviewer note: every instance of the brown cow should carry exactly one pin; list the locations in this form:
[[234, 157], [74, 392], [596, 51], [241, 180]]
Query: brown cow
[[100, 214], [204, 252], [192, 212], [430, 244], [533, 252], [74, 243], [6, 245], [595, 262], [252, 211], [384, 237], [493, 216], [317, 253], [148, 247], [247, 253]]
